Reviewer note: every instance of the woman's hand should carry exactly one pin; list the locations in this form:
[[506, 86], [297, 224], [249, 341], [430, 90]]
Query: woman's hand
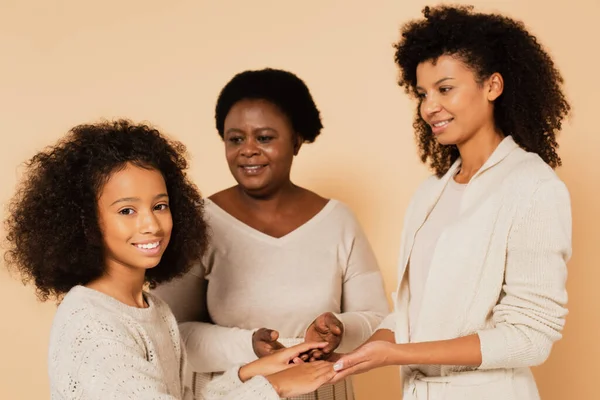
[[278, 361], [368, 356], [326, 327], [264, 342], [301, 379]]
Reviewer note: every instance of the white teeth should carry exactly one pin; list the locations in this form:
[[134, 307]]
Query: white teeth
[[148, 246], [253, 167], [438, 124]]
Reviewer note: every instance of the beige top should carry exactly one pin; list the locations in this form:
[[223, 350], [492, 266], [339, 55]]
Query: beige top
[[499, 270], [102, 349], [250, 280], [443, 214]]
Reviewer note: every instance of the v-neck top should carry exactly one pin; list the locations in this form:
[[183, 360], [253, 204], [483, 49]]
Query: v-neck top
[[212, 207], [251, 280]]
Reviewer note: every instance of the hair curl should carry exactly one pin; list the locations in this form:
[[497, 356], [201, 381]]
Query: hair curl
[[282, 88], [532, 106], [53, 234]]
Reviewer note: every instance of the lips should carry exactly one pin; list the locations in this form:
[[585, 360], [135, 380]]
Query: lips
[[149, 247], [439, 126], [252, 169]]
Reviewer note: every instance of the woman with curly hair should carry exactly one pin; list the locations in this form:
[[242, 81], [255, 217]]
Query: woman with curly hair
[[285, 265], [482, 271], [100, 214]]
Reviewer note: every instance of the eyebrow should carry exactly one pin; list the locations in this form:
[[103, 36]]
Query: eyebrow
[[438, 82], [262, 129], [134, 199]]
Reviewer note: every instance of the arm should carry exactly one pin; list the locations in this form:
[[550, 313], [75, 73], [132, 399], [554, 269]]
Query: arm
[[364, 304], [273, 376], [210, 347], [530, 315]]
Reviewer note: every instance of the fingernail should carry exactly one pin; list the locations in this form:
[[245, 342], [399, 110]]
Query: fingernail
[[337, 366]]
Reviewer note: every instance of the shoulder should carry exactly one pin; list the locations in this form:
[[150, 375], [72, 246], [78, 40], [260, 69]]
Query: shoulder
[[529, 175], [82, 317]]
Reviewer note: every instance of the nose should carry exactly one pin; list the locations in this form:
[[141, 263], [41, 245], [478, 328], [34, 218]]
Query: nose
[[250, 148], [430, 105], [148, 223]]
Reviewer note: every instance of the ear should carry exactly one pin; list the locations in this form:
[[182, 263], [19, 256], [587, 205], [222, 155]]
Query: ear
[[298, 140], [495, 86]]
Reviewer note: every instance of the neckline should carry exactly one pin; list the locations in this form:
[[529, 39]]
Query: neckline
[[139, 313], [331, 203]]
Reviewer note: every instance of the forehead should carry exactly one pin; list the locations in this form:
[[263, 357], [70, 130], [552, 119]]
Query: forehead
[[431, 71], [255, 112], [133, 181]]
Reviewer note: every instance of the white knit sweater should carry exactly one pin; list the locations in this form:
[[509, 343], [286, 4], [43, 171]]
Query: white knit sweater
[[499, 271], [102, 349]]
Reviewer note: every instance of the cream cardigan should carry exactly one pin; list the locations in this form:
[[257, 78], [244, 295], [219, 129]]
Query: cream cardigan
[[499, 271]]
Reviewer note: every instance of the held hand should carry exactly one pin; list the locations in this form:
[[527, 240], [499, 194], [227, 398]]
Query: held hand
[[326, 327], [301, 379], [278, 361], [264, 342], [368, 356]]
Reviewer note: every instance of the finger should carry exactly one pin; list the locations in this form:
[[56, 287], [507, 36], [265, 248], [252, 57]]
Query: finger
[[276, 345], [335, 326], [297, 360], [263, 335], [357, 369], [273, 335], [321, 325], [316, 355], [298, 349]]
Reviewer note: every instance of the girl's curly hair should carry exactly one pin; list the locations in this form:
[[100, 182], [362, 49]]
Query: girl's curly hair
[[532, 106], [53, 234]]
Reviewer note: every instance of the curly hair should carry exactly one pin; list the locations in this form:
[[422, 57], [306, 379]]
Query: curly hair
[[532, 106], [53, 235], [282, 88]]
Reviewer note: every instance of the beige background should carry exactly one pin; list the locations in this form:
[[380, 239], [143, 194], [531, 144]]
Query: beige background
[[71, 61]]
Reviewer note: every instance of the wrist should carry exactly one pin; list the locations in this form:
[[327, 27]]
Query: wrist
[[395, 355], [245, 372], [274, 382]]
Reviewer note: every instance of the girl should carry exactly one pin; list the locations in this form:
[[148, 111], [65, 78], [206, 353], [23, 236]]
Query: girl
[[105, 211], [486, 240]]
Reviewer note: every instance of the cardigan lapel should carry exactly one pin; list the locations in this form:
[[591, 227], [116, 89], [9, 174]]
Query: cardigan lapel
[[422, 211]]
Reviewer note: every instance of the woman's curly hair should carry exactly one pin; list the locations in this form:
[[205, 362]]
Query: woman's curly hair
[[282, 88], [532, 106], [53, 234]]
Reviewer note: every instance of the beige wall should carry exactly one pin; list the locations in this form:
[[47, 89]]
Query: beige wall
[[70, 61]]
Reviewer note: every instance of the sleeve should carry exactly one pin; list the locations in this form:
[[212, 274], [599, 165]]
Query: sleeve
[[364, 304], [530, 316], [112, 369], [229, 387], [210, 347]]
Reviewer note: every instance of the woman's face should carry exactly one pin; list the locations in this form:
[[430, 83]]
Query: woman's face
[[260, 145], [454, 103]]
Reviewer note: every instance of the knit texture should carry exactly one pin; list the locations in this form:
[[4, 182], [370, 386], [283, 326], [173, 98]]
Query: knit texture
[[103, 349], [250, 280]]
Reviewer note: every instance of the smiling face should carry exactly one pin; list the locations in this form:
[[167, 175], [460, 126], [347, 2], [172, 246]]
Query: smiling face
[[260, 145], [134, 217], [454, 103]]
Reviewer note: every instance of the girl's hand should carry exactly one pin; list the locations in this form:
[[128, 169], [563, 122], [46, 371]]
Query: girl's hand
[[302, 379], [278, 361]]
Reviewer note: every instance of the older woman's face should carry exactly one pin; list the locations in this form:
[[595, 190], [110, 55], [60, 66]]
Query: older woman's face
[[260, 145]]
